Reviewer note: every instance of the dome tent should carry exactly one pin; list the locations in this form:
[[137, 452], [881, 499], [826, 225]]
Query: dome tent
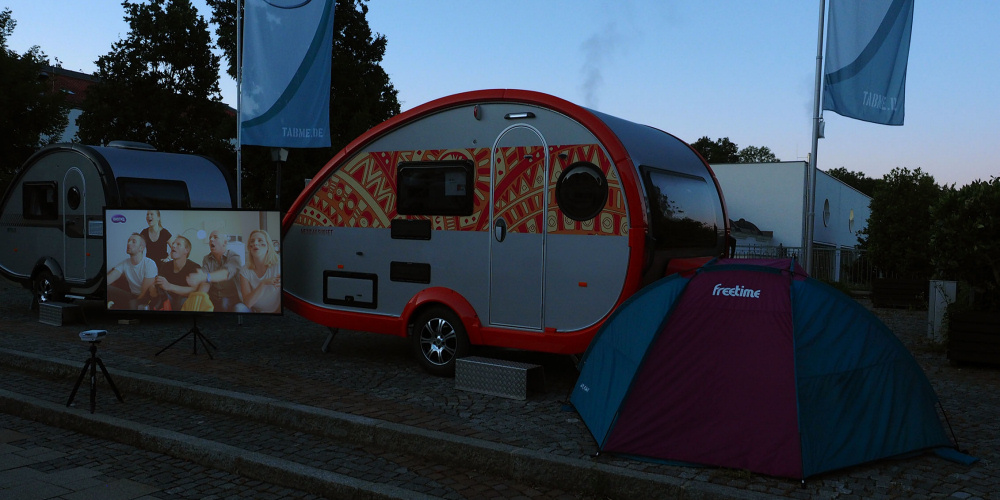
[[752, 365]]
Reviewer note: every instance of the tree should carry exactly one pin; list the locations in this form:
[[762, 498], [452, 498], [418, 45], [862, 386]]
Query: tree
[[361, 96], [965, 239], [160, 85], [720, 151], [898, 233], [754, 154], [857, 180], [224, 19], [31, 113], [725, 151]]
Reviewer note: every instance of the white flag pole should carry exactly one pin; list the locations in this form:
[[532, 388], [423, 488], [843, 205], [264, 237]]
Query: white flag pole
[[817, 121]]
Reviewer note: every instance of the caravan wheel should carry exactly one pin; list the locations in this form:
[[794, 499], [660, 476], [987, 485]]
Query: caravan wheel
[[45, 287], [438, 339]]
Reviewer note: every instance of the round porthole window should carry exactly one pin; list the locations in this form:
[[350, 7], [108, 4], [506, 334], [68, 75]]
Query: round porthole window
[[73, 198], [582, 191], [826, 213]]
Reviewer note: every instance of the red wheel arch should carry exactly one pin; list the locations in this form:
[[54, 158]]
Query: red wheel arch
[[450, 299]]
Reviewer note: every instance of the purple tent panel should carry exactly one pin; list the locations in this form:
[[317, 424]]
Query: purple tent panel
[[723, 395]]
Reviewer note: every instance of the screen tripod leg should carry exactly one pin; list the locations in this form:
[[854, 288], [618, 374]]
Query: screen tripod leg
[[174, 342], [204, 342]]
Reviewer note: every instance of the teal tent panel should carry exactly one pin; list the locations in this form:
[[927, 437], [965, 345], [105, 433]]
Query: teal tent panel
[[862, 396], [611, 361]]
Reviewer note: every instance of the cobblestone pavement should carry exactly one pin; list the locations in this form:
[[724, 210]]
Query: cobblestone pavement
[[39, 461], [374, 376]]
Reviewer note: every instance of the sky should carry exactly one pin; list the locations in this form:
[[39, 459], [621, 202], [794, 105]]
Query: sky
[[718, 68]]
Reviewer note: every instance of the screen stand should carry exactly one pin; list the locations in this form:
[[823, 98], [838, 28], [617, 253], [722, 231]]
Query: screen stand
[[198, 336]]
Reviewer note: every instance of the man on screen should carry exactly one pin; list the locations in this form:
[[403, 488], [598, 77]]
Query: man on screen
[[173, 274], [219, 271], [139, 272]]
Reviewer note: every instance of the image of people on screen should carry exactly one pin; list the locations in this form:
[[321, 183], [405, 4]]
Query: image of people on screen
[[172, 275], [219, 274], [130, 282], [260, 278], [157, 238]]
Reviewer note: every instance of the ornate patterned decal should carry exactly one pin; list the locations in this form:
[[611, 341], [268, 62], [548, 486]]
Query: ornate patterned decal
[[613, 219], [519, 195], [362, 193]]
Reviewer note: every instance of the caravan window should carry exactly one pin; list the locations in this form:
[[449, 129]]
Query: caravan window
[[582, 191], [685, 211], [40, 200], [435, 188], [74, 198], [153, 193]]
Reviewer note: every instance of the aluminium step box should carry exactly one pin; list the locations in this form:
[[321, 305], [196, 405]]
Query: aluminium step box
[[498, 377], [58, 313]]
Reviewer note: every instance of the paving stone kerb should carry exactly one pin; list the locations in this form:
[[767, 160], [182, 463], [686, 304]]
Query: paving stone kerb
[[509, 461], [373, 376], [200, 451]]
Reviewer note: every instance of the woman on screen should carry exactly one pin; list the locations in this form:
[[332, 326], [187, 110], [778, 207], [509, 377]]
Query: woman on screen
[[260, 278], [156, 237]]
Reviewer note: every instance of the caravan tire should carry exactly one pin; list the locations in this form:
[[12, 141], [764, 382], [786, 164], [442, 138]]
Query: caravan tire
[[439, 339], [45, 287]]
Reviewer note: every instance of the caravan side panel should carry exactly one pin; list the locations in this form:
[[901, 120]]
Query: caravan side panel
[[344, 223], [52, 211]]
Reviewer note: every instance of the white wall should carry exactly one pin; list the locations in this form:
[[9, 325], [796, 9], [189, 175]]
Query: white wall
[[837, 230], [767, 194], [770, 195], [71, 127]]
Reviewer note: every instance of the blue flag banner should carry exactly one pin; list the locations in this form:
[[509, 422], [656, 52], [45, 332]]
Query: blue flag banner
[[868, 44], [285, 89]]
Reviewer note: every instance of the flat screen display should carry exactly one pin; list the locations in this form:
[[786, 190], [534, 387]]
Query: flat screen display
[[193, 261]]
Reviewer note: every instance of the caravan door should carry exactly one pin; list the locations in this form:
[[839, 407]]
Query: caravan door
[[74, 225], [518, 207]]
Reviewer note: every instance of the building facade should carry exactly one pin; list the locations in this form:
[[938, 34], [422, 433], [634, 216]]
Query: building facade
[[770, 197]]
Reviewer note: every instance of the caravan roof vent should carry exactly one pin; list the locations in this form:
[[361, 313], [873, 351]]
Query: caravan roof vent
[[131, 145]]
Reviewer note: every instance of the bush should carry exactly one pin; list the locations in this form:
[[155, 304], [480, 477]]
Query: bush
[[965, 240], [898, 231]]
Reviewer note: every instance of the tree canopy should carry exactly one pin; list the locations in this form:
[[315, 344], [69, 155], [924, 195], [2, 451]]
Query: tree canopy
[[160, 85], [965, 239], [899, 228], [361, 96], [857, 180], [723, 150], [31, 113]]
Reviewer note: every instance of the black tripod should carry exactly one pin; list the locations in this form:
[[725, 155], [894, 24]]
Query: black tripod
[[93, 363], [198, 336]]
